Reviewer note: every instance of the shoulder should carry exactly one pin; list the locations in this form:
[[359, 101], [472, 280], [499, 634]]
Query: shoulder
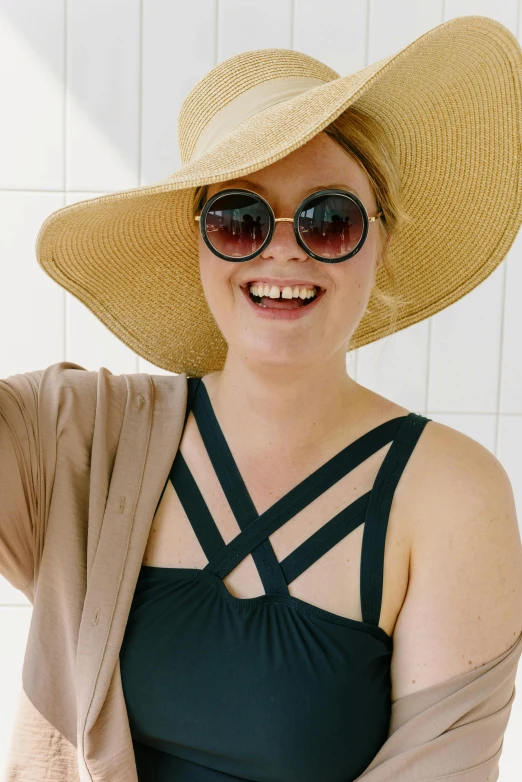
[[455, 472], [464, 597]]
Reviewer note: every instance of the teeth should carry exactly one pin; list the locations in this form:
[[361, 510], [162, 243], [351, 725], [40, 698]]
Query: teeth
[[275, 292]]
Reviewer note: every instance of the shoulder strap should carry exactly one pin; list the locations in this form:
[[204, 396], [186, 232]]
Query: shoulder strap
[[192, 384], [378, 511], [236, 493]]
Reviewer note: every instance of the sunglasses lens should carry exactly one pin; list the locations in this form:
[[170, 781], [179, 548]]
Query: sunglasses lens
[[237, 224], [331, 225]]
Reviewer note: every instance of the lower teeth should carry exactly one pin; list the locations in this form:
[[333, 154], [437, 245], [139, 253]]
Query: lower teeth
[[257, 300]]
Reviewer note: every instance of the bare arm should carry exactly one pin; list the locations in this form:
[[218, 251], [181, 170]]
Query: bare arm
[[464, 601]]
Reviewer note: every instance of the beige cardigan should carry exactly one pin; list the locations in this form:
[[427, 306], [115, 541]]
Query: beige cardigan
[[83, 460]]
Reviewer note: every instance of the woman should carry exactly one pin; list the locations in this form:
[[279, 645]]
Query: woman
[[317, 551]]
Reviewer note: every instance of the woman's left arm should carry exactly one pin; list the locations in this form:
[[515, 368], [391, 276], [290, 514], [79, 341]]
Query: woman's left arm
[[463, 605]]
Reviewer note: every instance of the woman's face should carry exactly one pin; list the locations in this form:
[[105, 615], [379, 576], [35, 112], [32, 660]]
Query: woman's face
[[325, 328]]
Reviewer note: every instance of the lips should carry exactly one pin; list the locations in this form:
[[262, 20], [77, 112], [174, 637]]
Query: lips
[[281, 311]]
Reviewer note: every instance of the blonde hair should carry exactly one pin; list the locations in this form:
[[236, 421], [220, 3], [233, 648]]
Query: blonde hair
[[363, 137]]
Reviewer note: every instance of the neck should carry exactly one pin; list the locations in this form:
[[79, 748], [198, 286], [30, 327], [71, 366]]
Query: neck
[[282, 407]]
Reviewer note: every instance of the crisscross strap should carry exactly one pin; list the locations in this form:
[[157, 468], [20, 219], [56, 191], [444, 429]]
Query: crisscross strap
[[192, 384], [256, 528], [301, 496], [378, 511], [235, 491], [372, 508], [325, 538], [195, 507], [297, 561]]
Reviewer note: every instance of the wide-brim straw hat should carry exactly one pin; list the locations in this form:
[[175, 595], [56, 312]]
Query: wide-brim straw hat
[[451, 104]]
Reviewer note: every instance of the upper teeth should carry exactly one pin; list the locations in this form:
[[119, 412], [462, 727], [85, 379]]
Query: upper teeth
[[274, 291]]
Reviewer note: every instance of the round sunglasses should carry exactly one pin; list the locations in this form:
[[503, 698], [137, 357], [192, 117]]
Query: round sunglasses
[[330, 225]]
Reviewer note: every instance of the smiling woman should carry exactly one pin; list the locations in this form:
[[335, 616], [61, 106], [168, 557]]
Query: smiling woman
[[254, 567]]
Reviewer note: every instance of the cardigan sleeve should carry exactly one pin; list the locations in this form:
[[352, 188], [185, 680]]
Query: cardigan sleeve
[[20, 476], [41, 412]]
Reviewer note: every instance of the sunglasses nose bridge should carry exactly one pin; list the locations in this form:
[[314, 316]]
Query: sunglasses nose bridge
[[283, 220]]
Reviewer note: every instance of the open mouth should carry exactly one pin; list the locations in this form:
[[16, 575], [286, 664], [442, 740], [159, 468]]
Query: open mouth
[[296, 302]]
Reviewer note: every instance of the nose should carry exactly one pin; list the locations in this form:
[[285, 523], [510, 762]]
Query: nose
[[284, 243]]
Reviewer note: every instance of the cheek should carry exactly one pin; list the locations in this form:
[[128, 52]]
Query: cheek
[[353, 284], [205, 267], [215, 278]]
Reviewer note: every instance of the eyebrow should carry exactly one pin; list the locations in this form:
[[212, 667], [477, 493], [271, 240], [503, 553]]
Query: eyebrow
[[331, 186]]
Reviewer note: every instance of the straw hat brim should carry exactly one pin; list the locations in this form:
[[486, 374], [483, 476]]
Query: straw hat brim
[[451, 103]]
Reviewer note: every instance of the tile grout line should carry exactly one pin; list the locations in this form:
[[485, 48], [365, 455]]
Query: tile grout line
[[216, 32], [53, 192]]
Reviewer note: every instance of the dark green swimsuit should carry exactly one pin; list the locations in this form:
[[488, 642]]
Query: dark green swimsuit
[[269, 688]]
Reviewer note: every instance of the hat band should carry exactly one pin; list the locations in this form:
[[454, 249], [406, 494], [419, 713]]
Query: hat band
[[257, 98]]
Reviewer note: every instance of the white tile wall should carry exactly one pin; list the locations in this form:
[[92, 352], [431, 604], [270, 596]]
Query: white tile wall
[[249, 24], [32, 70], [90, 92], [510, 376], [465, 345], [179, 42], [37, 340], [103, 51]]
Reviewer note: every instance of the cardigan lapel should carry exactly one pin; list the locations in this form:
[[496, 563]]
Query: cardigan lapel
[[148, 442]]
